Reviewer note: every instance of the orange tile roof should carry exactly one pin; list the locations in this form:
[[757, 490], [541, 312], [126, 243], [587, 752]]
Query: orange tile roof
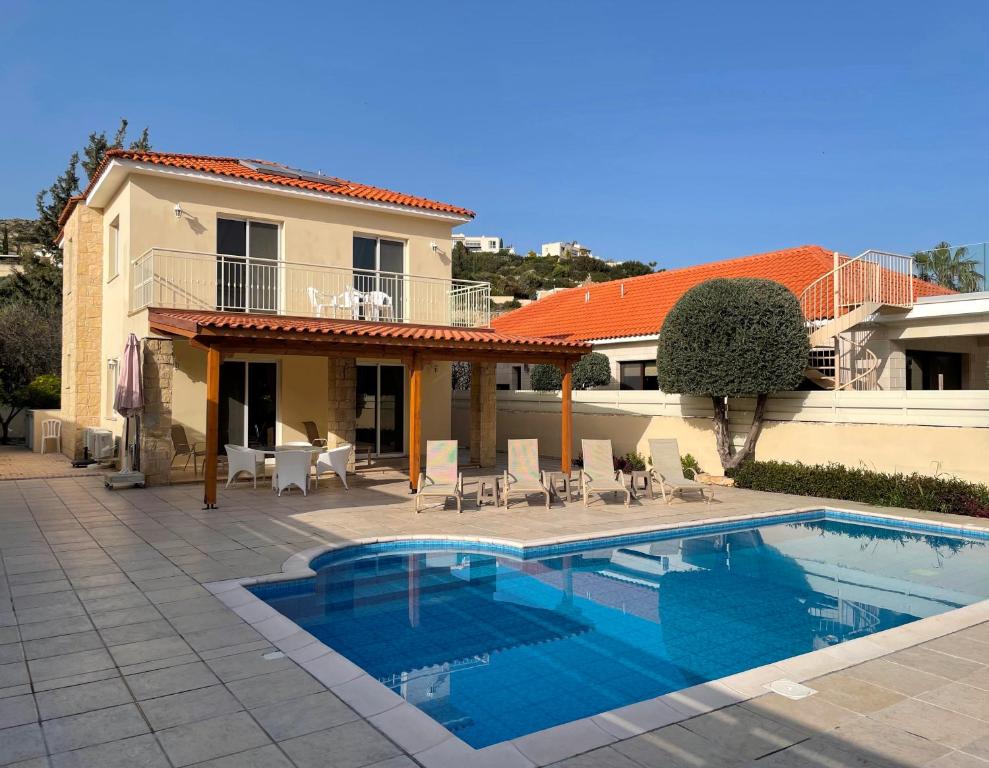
[[195, 322], [232, 167], [600, 311]]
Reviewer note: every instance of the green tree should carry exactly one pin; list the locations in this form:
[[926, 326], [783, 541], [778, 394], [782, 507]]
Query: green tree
[[5, 243], [733, 338], [592, 370], [949, 267], [51, 201], [38, 284], [29, 348]]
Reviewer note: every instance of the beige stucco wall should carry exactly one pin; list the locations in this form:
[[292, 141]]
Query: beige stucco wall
[[887, 447]]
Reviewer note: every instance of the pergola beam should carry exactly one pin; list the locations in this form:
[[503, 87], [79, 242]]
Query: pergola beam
[[212, 426]]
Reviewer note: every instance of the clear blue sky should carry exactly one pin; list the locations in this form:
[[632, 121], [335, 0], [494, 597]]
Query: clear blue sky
[[677, 132]]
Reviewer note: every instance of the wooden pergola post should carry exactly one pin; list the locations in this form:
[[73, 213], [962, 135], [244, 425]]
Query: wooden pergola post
[[566, 411], [415, 420], [212, 426]]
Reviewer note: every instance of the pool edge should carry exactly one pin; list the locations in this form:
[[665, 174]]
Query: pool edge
[[436, 747]]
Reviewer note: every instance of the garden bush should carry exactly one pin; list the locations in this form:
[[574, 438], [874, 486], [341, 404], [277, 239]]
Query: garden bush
[[836, 481]]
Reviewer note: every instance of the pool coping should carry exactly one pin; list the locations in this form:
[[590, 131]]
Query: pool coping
[[436, 747]]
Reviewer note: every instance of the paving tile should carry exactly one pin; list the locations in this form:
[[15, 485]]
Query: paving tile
[[17, 710], [134, 633], [854, 694], [277, 686], [21, 743], [935, 663], [163, 682], [675, 747], [296, 717], [13, 674], [75, 699], [245, 665], [934, 723], [231, 634], [70, 664], [62, 644], [346, 746], [958, 760], [189, 706], [817, 754], [606, 757], [55, 627], [72, 680], [743, 733], [960, 646], [208, 739], [97, 727], [262, 757], [896, 677], [958, 697], [136, 752], [149, 650], [11, 652], [126, 616], [881, 742]]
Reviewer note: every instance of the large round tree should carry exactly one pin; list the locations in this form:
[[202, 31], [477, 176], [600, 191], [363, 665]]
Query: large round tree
[[738, 337]]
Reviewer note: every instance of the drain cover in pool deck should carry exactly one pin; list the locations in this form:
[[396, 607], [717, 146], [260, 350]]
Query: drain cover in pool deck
[[790, 689]]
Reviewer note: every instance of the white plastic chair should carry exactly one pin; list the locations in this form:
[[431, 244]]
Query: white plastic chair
[[334, 460], [292, 468], [380, 306], [51, 429], [319, 300], [241, 460], [352, 300]]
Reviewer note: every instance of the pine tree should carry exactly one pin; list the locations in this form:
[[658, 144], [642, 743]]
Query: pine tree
[[96, 149], [5, 243], [143, 142], [51, 201]]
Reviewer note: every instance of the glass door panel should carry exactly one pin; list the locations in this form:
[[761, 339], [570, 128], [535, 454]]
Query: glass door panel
[[263, 278], [262, 390], [392, 260], [367, 407], [233, 404], [391, 409], [231, 265]]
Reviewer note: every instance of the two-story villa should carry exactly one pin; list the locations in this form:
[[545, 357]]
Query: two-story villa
[[267, 297]]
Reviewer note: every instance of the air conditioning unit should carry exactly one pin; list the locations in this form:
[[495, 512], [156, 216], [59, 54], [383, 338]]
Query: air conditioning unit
[[104, 447]]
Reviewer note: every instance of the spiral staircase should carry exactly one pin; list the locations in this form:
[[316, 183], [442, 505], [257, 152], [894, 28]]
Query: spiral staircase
[[855, 291]]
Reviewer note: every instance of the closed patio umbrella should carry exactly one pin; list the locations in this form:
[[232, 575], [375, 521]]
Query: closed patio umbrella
[[128, 401]]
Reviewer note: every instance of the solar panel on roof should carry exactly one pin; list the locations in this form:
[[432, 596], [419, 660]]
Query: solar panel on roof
[[291, 173]]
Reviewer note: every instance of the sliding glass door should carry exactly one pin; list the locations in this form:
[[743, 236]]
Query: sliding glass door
[[381, 408], [246, 266], [248, 404], [379, 267]]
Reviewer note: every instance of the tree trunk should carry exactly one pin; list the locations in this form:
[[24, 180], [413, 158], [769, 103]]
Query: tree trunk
[[5, 425], [730, 458]]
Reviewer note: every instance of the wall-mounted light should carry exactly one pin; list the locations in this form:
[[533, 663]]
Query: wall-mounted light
[[178, 210], [434, 247]]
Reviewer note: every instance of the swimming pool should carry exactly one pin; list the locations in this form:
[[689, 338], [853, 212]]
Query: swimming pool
[[494, 644]]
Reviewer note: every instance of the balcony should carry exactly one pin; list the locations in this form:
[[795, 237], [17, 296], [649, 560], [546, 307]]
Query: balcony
[[171, 279]]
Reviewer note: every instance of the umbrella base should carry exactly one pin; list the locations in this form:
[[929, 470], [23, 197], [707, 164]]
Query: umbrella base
[[124, 479]]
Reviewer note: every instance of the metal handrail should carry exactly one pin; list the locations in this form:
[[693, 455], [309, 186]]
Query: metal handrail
[[172, 278], [873, 276]]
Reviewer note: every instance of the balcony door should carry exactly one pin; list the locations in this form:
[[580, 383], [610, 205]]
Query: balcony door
[[381, 408], [246, 266], [379, 267]]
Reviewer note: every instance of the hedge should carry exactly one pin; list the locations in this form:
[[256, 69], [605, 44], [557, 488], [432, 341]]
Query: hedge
[[835, 481]]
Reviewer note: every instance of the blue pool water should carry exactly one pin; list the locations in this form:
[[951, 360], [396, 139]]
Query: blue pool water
[[493, 645]]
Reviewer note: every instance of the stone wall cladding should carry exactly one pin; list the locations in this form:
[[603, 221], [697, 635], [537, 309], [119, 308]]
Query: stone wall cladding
[[341, 426], [158, 368], [82, 323], [484, 413]]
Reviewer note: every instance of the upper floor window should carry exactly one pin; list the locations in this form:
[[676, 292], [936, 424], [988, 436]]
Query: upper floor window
[[378, 268], [639, 374], [113, 249]]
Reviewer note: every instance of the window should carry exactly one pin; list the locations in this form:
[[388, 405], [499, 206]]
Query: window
[[246, 266], [516, 377], [934, 370], [112, 377], [640, 374], [113, 250]]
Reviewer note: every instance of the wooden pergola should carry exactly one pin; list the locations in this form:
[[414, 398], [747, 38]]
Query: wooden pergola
[[221, 334]]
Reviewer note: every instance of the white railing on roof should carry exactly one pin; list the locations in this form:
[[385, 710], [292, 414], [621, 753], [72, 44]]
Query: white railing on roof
[[871, 277], [172, 279]]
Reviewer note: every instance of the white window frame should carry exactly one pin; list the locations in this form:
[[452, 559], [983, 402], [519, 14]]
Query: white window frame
[[113, 249], [280, 261]]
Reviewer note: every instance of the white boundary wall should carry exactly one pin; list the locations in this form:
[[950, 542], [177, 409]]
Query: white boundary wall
[[906, 431]]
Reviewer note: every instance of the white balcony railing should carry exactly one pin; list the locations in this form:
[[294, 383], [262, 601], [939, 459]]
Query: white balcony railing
[[166, 278]]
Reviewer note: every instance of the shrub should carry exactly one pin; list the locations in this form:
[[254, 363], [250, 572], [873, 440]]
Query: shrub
[[835, 481], [592, 370], [630, 461], [690, 466]]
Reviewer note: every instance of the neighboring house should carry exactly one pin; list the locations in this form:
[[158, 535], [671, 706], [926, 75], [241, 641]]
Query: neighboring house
[[892, 332], [478, 243], [267, 296], [565, 250]]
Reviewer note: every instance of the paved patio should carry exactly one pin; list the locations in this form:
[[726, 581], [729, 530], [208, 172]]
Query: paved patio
[[112, 653]]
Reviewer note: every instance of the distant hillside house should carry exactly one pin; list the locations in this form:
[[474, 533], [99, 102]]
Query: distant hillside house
[[565, 250], [934, 339], [485, 243]]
